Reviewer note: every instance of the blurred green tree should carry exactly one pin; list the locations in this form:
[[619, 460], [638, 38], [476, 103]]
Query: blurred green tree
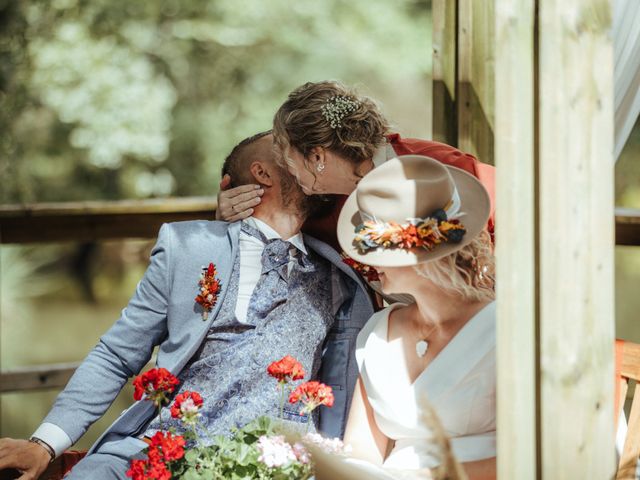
[[108, 99]]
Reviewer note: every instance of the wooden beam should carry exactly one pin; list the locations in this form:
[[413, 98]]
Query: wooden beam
[[444, 38], [85, 221], [36, 378], [627, 226], [476, 78], [576, 235], [516, 245]]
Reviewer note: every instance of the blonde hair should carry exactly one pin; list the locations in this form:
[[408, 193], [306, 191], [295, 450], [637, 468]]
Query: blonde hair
[[469, 272], [300, 123]]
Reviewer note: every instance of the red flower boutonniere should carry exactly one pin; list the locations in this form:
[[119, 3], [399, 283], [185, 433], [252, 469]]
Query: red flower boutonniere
[[367, 271], [209, 289]]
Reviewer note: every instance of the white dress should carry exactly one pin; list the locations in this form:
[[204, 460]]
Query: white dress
[[459, 383]]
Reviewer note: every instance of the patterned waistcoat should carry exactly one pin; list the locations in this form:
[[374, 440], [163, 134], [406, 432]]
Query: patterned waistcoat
[[229, 369]]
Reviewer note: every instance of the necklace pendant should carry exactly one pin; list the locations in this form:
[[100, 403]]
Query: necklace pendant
[[421, 348]]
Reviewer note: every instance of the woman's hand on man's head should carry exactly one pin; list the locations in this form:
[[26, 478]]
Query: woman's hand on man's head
[[237, 203]]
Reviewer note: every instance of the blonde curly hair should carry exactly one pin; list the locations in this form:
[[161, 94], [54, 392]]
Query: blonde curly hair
[[468, 272], [300, 123]]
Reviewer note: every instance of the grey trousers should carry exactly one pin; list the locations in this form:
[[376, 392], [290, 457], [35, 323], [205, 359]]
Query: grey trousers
[[110, 461]]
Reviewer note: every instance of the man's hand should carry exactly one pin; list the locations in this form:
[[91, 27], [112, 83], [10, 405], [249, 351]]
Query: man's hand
[[236, 203], [29, 458]]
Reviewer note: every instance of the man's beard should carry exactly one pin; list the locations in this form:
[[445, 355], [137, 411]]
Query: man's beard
[[305, 205]]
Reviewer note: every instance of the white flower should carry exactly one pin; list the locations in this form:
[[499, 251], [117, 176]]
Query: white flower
[[275, 451], [337, 108], [329, 445]]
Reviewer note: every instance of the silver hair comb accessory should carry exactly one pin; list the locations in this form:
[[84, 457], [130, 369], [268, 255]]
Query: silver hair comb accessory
[[338, 107]]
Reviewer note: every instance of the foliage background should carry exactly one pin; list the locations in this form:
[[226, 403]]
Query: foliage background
[[115, 99], [109, 99]]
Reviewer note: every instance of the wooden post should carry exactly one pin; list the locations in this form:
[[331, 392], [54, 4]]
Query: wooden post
[[576, 206], [516, 241], [555, 239]]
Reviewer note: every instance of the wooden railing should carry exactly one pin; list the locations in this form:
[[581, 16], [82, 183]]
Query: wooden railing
[[91, 221], [627, 226], [41, 377], [85, 221]]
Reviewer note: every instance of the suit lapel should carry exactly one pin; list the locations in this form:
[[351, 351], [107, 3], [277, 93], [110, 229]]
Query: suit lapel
[[226, 267], [331, 255], [225, 254]]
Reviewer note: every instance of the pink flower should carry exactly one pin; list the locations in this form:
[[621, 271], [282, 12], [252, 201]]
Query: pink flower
[[275, 451], [301, 453], [329, 445]]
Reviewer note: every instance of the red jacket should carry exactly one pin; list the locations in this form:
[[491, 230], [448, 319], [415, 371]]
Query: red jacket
[[325, 228]]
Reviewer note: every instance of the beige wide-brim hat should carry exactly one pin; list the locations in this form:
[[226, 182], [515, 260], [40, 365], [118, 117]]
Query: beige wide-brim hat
[[410, 187]]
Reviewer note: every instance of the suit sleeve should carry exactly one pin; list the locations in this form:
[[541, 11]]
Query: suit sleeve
[[121, 352]]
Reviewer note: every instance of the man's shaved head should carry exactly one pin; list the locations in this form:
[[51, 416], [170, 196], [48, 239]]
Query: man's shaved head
[[258, 148], [249, 150]]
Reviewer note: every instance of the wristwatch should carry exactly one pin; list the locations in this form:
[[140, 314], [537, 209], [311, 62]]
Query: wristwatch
[[44, 445]]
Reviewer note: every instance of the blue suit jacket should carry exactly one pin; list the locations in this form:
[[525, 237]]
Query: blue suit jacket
[[163, 312]]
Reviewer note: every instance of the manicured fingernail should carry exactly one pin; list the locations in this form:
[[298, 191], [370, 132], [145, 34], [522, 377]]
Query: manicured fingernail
[[250, 211], [260, 192], [257, 187]]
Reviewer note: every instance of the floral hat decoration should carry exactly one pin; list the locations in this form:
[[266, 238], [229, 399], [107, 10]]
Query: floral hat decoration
[[410, 210]]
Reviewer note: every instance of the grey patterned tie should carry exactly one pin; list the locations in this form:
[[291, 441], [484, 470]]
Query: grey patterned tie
[[272, 287]]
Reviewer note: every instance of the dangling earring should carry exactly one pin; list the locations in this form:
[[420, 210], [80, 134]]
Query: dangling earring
[[320, 167]]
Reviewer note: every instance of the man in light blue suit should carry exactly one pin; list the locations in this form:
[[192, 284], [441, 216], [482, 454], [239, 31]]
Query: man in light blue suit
[[278, 297]]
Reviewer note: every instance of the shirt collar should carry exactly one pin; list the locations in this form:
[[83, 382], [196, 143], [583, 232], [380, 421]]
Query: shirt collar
[[297, 240], [383, 153]]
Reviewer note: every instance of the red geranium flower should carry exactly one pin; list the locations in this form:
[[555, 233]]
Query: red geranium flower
[[156, 384], [169, 446], [186, 406], [312, 395], [209, 289], [157, 469], [137, 470], [367, 271], [153, 468], [286, 369]]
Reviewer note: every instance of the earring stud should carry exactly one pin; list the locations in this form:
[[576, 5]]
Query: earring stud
[[320, 167]]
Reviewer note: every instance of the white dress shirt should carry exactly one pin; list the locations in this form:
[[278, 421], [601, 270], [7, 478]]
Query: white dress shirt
[[250, 251]]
